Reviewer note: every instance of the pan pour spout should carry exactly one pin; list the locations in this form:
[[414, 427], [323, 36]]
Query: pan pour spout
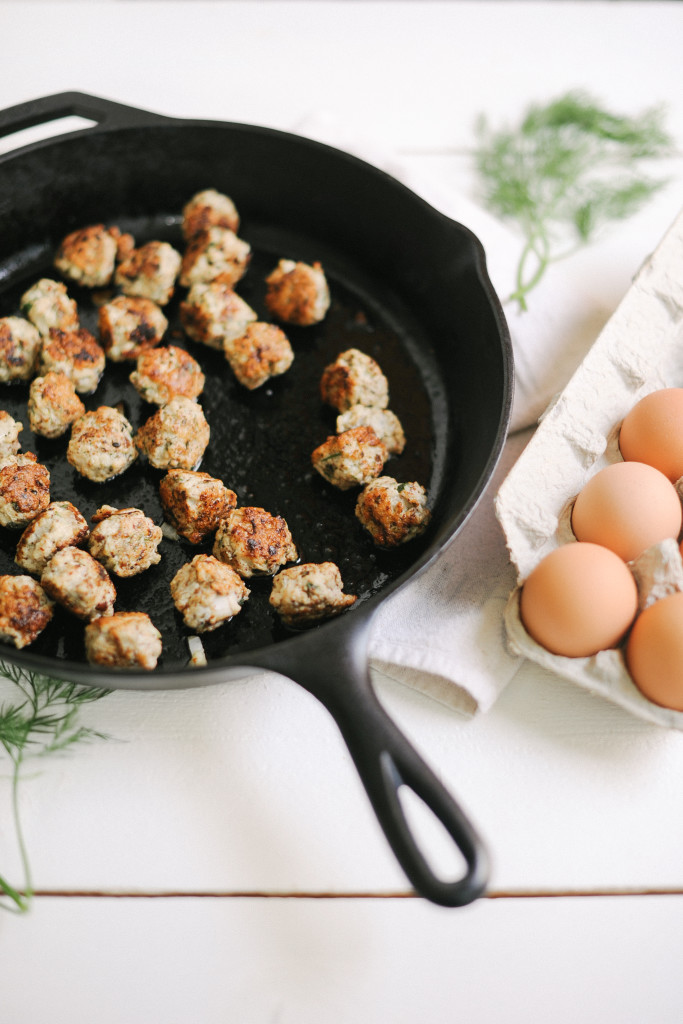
[[332, 664]]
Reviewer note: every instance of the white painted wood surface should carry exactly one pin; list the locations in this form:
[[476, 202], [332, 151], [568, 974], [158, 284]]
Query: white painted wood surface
[[247, 787]]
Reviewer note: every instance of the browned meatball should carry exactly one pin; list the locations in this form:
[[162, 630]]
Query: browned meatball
[[123, 640], [79, 583], [298, 293], [254, 542], [9, 435], [351, 458], [176, 436], [354, 378], [207, 593], [53, 405], [208, 209], [308, 593], [149, 272], [163, 373], [101, 444], [262, 352], [194, 503], [214, 314], [19, 345], [24, 490], [48, 304], [384, 422], [75, 354], [124, 540], [216, 254], [58, 526], [393, 513], [129, 325], [88, 255], [25, 610]]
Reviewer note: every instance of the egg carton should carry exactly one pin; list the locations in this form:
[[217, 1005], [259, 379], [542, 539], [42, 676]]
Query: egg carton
[[639, 350]]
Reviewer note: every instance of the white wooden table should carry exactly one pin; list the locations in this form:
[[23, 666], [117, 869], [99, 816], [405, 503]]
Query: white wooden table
[[217, 860]]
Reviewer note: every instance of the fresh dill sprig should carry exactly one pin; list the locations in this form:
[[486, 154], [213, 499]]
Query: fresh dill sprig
[[567, 169], [43, 720]]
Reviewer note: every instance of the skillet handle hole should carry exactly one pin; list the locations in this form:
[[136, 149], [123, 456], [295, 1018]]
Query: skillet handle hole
[[444, 858]]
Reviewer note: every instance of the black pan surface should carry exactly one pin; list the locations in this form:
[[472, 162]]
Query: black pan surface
[[409, 287]]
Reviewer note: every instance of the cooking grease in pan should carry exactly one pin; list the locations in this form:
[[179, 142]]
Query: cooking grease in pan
[[260, 446]]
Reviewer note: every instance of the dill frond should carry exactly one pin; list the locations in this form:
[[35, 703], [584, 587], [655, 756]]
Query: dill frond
[[567, 169]]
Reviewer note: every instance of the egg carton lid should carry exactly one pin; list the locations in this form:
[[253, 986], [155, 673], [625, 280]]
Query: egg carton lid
[[639, 350]]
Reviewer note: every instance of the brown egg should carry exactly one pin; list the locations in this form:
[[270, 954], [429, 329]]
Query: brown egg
[[580, 599], [654, 652], [652, 432], [627, 507]]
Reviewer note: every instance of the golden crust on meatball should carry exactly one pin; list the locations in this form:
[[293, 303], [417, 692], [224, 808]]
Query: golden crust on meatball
[[297, 293], [25, 610], [79, 583], [262, 352], [124, 540], [176, 436], [194, 503], [150, 272], [75, 354], [163, 373], [207, 593], [213, 314], [208, 209], [88, 255], [123, 640], [53, 404], [129, 325], [393, 512], [354, 378], [19, 346], [24, 490], [309, 593], [254, 542], [351, 458], [216, 254], [59, 526], [101, 444], [48, 304]]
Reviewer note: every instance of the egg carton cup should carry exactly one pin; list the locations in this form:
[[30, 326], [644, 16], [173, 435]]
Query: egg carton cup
[[639, 350]]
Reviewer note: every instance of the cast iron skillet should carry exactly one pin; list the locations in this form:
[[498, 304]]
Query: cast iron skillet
[[409, 286]]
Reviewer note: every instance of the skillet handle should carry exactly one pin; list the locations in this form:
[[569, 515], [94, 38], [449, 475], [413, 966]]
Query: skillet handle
[[334, 668], [69, 104]]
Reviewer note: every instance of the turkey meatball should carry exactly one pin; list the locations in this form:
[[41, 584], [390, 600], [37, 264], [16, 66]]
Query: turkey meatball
[[9, 435], [262, 352], [124, 541], [79, 583], [163, 373], [384, 422], [123, 640], [298, 293], [393, 513], [208, 209], [75, 354], [25, 610], [101, 444], [53, 405], [194, 503], [88, 255], [216, 254], [350, 459], [47, 304], [24, 490], [19, 346], [149, 272], [213, 314], [254, 542], [207, 593], [354, 378], [176, 436], [59, 526], [130, 325], [308, 593]]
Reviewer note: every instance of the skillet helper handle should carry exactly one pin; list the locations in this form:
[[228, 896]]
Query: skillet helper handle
[[69, 104]]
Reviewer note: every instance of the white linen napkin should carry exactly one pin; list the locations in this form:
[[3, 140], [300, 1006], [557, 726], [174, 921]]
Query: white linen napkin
[[443, 634]]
